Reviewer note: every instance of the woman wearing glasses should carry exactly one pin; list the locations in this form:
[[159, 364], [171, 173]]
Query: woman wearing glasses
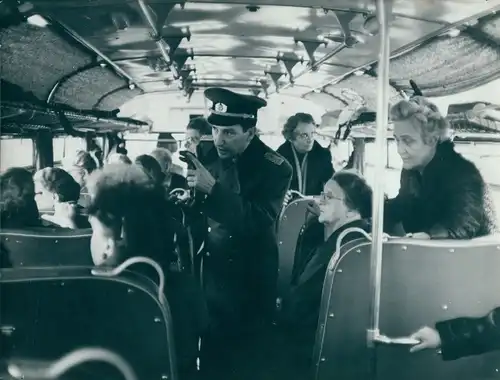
[[311, 163], [346, 202]]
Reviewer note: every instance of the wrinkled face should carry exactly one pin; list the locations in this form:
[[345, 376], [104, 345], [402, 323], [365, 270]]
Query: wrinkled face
[[103, 244], [44, 199], [414, 152], [193, 138], [231, 141], [303, 137], [331, 204]]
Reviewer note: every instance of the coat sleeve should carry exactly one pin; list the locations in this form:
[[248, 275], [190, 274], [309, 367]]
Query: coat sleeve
[[462, 213], [462, 337], [396, 208], [251, 214]]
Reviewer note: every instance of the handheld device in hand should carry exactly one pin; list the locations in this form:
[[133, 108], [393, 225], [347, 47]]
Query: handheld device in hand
[[188, 157]]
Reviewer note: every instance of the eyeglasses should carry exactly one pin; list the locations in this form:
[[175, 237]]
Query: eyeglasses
[[328, 197], [305, 136]]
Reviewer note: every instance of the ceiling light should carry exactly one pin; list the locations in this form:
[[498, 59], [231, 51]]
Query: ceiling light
[[37, 20]]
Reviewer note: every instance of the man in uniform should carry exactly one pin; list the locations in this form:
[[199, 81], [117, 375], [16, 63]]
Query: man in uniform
[[242, 183]]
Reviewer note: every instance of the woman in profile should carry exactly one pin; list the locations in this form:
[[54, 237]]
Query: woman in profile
[[346, 202], [442, 194]]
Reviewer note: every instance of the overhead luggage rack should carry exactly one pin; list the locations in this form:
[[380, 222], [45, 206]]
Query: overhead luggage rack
[[20, 118]]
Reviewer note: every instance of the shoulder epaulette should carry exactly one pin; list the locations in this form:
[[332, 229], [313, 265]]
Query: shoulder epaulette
[[275, 159]]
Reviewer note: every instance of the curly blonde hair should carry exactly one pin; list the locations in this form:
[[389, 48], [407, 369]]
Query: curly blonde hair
[[424, 115]]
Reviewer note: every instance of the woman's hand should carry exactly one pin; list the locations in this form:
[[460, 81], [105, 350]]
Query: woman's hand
[[428, 337], [288, 198]]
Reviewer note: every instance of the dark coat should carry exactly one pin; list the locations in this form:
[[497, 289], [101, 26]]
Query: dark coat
[[240, 265], [469, 336], [302, 307], [319, 167], [305, 299], [448, 200]]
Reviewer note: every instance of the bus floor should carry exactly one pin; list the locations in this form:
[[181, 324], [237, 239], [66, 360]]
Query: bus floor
[[269, 355]]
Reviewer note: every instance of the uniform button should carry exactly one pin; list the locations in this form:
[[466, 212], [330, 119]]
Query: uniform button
[[230, 236], [208, 253], [209, 229]]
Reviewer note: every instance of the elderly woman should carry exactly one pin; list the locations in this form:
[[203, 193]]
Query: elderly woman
[[57, 190], [346, 202], [172, 180], [312, 164], [442, 194]]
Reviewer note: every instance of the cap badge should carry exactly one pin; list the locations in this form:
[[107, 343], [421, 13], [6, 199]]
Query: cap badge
[[220, 107]]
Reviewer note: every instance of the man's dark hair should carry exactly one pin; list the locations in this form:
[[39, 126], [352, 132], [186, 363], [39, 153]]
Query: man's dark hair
[[358, 194], [292, 123], [201, 125], [18, 208], [124, 199], [60, 182]]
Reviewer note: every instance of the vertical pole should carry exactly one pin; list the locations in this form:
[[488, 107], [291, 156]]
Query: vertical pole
[[359, 155], [43, 149], [384, 8]]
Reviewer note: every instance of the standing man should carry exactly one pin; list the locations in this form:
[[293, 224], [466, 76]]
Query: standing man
[[243, 183]]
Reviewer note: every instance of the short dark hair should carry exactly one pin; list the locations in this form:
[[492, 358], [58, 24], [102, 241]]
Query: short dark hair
[[60, 182], [124, 198], [201, 125], [18, 208], [292, 123], [358, 194], [151, 167]]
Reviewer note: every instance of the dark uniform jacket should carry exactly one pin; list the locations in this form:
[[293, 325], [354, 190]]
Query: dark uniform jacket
[[319, 167], [241, 254], [448, 200], [469, 336]]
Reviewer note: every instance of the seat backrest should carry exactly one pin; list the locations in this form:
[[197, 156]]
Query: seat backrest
[[39, 247], [52, 311], [423, 282], [293, 218]]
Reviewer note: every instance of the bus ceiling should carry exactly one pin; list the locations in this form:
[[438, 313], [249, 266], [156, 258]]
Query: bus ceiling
[[116, 50]]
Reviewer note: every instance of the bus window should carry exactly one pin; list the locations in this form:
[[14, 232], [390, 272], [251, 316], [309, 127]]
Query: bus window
[[15, 153], [66, 146]]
